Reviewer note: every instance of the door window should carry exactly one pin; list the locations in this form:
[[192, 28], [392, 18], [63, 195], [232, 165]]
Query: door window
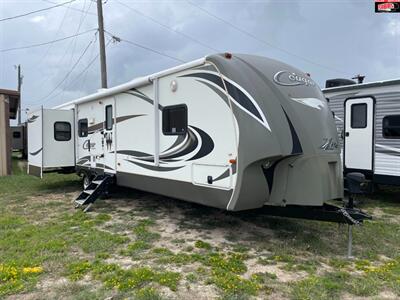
[[109, 117], [359, 115], [83, 127]]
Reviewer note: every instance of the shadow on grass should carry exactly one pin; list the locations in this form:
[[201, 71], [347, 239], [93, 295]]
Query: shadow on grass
[[254, 227], [285, 235], [383, 196]]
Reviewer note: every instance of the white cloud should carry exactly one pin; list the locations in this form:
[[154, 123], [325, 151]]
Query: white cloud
[[37, 19], [393, 27]]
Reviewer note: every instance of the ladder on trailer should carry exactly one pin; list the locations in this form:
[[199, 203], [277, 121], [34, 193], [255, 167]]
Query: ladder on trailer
[[93, 191]]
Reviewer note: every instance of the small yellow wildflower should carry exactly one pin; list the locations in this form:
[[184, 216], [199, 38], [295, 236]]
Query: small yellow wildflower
[[29, 270]]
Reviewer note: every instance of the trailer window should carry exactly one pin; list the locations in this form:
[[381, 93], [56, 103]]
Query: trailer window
[[16, 135], [391, 127], [109, 117], [62, 131], [174, 120], [83, 127], [359, 115]]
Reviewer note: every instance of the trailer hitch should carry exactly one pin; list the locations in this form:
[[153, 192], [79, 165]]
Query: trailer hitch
[[327, 212]]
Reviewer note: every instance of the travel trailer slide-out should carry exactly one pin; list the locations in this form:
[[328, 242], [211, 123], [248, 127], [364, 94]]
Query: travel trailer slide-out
[[236, 132], [367, 117]]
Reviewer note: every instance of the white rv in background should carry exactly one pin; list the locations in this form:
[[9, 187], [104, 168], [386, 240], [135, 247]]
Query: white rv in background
[[367, 117], [230, 131], [18, 137]]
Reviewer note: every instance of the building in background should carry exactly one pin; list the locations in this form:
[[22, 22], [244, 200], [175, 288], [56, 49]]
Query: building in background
[[9, 101]]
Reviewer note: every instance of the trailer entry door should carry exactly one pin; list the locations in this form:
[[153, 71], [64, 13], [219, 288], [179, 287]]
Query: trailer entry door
[[109, 136], [51, 141], [359, 134]]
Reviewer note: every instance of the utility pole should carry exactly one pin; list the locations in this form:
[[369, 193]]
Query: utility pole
[[103, 64], [19, 90]]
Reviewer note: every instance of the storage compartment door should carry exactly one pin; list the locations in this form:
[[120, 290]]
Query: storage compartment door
[[212, 176], [58, 139], [35, 143]]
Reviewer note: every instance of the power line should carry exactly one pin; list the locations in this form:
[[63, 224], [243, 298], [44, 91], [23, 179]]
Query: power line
[[72, 8], [86, 69], [46, 43], [81, 20], [78, 76], [68, 73], [51, 44], [167, 27], [35, 11], [260, 40], [144, 47]]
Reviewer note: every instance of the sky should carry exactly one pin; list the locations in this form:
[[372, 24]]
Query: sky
[[326, 38]]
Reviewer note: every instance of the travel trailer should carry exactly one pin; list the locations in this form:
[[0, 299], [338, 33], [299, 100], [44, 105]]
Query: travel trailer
[[367, 117], [18, 138], [235, 132]]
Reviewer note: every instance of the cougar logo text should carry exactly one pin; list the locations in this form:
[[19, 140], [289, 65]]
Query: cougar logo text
[[287, 78]]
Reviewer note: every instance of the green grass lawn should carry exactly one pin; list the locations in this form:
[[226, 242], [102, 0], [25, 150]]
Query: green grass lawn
[[141, 246]]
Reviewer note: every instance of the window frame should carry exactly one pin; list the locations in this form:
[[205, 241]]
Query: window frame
[[383, 128], [55, 131], [365, 115], [106, 127], [80, 131], [164, 120]]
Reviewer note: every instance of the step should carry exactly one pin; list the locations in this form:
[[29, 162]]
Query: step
[[80, 202], [90, 195], [89, 191]]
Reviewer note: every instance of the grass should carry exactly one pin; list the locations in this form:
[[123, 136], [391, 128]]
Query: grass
[[114, 276], [142, 246]]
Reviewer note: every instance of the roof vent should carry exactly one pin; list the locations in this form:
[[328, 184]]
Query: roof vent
[[359, 77], [330, 83]]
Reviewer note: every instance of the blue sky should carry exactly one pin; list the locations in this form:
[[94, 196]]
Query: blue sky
[[328, 39]]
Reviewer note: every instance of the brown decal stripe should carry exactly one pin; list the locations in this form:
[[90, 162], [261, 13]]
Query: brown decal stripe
[[232, 90], [226, 173], [32, 119], [36, 152], [100, 125], [144, 97], [154, 168], [207, 145]]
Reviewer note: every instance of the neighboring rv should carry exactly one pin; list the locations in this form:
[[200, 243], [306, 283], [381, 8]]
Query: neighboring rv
[[235, 132], [19, 139], [368, 121]]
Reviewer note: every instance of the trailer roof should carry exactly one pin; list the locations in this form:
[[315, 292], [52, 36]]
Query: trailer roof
[[135, 83], [362, 85]]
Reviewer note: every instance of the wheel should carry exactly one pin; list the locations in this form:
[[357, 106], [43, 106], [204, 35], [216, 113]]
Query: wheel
[[87, 180]]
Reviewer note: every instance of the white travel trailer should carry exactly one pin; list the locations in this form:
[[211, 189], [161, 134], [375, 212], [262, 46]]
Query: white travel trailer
[[18, 137], [368, 121], [235, 132]]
